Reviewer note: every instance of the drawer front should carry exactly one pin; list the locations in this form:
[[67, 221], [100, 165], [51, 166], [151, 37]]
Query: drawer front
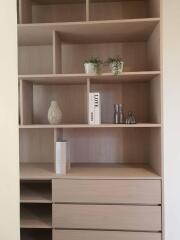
[[110, 217], [107, 191], [104, 235]]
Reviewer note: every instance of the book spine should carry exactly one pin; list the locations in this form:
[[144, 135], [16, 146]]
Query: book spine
[[97, 108], [91, 108]]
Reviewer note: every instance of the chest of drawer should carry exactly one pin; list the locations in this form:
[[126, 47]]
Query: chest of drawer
[[104, 235], [109, 217], [107, 191]]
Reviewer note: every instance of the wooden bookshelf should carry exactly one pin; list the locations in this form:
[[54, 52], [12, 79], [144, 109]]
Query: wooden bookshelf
[[55, 37]]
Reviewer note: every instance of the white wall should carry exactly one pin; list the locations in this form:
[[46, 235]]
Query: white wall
[[9, 193], [171, 68]]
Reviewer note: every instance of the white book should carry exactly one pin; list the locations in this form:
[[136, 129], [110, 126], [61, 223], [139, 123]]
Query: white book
[[91, 109], [97, 108], [62, 164]]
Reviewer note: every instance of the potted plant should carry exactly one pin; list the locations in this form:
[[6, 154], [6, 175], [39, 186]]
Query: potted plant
[[116, 65], [93, 66]]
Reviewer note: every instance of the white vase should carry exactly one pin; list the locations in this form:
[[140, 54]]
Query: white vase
[[116, 67], [54, 113], [91, 68]]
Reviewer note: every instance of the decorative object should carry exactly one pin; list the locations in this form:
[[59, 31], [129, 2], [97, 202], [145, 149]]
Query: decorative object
[[94, 108], [116, 65], [118, 114], [121, 114], [54, 113], [130, 118], [62, 158], [93, 66]]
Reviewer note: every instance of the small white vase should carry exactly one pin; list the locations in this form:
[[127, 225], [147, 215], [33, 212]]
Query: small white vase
[[54, 113], [91, 69]]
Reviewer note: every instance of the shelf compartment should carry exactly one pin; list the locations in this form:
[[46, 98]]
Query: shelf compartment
[[135, 97], [113, 9], [35, 192], [115, 146], [36, 145], [31, 171], [72, 100], [80, 78], [35, 59], [36, 216], [36, 234], [43, 11], [123, 146], [88, 32]]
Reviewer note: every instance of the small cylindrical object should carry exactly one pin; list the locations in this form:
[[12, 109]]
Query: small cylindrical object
[[62, 164], [121, 114], [116, 113]]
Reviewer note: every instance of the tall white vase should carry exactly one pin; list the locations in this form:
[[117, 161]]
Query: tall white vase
[[54, 113]]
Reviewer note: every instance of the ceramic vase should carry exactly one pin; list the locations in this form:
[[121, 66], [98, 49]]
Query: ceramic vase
[[54, 113]]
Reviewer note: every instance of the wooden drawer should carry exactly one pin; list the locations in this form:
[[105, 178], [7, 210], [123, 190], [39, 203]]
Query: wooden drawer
[[103, 235], [112, 217], [107, 191]]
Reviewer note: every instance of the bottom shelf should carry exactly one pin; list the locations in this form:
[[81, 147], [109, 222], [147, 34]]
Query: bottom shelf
[[36, 216], [29, 171], [36, 234]]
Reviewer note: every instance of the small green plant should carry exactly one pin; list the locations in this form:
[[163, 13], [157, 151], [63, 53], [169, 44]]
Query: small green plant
[[116, 64], [111, 60], [96, 65], [94, 60]]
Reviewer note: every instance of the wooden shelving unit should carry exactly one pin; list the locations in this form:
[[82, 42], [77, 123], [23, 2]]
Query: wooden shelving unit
[[55, 37]]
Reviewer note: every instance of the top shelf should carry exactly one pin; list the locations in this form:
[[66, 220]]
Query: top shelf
[[88, 32]]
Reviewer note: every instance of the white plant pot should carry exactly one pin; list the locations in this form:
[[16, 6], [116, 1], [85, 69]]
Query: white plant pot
[[116, 68], [91, 69], [54, 113]]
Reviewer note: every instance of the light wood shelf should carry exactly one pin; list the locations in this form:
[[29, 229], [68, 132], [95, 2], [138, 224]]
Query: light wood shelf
[[138, 125], [82, 78], [36, 216], [88, 32], [39, 171], [35, 192]]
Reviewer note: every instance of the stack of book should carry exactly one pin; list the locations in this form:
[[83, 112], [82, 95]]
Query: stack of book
[[94, 108]]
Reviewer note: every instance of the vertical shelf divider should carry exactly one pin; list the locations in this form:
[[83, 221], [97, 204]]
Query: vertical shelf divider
[[87, 10], [25, 11], [57, 57]]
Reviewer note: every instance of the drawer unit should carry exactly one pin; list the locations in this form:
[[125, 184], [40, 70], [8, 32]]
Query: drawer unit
[[104, 235], [107, 191], [109, 217]]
